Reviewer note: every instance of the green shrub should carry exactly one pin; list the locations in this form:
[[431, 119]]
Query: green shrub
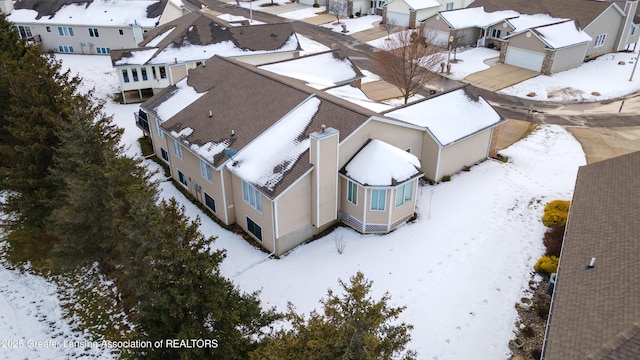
[[446, 178], [560, 205], [546, 265]]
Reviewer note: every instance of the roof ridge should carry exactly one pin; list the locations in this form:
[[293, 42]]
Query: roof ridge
[[616, 342]]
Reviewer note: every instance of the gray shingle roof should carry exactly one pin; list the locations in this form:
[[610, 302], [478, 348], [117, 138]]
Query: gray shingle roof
[[583, 11], [248, 100], [595, 313]]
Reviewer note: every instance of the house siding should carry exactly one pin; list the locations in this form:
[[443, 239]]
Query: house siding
[[294, 215], [109, 37], [429, 156], [243, 210], [405, 210], [609, 22], [469, 151], [531, 43], [354, 210], [568, 58]]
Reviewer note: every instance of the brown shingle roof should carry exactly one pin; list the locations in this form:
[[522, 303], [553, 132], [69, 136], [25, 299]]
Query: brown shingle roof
[[199, 29], [599, 308], [248, 101], [583, 11]]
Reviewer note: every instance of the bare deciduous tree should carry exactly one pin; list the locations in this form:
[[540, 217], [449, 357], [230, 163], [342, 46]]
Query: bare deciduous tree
[[409, 60], [338, 8], [389, 25]]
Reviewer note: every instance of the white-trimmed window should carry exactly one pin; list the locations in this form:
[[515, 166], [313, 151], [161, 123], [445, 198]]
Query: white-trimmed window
[[404, 193], [93, 32], [125, 76], [103, 50], [600, 39], [205, 170], [450, 6], [24, 31], [177, 149], [352, 192], [164, 154], [210, 202], [378, 199], [134, 74], [252, 196], [495, 33], [183, 179], [65, 49], [65, 31]]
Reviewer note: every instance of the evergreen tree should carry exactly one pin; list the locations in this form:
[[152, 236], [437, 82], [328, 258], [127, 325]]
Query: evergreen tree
[[184, 296], [352, 326]]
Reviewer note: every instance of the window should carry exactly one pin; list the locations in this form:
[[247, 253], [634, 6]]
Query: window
[[183, 179], [254, 228], [93, 32], [103, 50], [125, 75], [352, 192], [134, 74], [495, 33], [163, 72], [205, 170], [634, 29], [252, 196], [177, 149], [48, 28], [164, 154], [600, 39], [143, 71], [121, 32], [65, 49], [65, 31], [450, 6], [153, 72], [24, 32], [404, 193], [158, 129], [378, 199], [210, 202]]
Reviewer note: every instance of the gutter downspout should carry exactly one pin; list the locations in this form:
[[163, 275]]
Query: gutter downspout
[[224, 197]]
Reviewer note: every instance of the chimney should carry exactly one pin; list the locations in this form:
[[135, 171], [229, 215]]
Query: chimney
[[323, 155]]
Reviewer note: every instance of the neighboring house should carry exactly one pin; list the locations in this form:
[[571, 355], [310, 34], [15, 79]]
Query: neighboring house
[[87, 26], [285, 161], [408, 13], [170, 50], [595, 312], [540, 42]]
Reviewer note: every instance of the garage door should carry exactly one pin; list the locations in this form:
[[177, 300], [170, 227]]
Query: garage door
[[400, 19], [524, 58]]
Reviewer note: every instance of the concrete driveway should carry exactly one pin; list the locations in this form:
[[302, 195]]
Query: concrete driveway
[[499, 77]]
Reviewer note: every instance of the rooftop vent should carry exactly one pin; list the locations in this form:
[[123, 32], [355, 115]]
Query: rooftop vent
[[591, 265]]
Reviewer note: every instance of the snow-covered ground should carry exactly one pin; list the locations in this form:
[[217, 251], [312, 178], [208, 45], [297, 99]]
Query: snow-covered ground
[[459, 269], [354, 25]]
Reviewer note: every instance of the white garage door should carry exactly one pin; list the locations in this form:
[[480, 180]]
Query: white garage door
[[524, 58], [399, 18]]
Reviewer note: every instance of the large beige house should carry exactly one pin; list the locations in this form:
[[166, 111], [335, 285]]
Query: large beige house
[[170, 50], [409, 12], [542, 35], [285, 161], [88, 26]]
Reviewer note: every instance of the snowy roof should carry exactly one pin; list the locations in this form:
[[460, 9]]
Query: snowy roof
[[265, 161], [116, 13], [451, 116], [475, 17], [181, 95], [358, 97], [524, 22], [392, 165], [196, 36], [561, 35], [319, 71], [136, 57], [422, 4]]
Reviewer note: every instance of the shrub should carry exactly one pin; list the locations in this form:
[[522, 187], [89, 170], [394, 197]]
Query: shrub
[[553, 240], [554, 218], [528, 331], [316, 5], [560, 205], [446, 178], [536, 354], [541, 306], [546, 265]]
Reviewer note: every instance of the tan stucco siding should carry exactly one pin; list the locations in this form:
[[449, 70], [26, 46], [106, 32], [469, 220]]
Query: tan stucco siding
[[530, 43], [109, 37], [466, 152], [398, 6], [468, 36], [504, 28], [568, 58], [323, 154], [398, 136], [177, 72], [436, 23], [429, 156], [425, 13], [171, 12], [229, 198], [243, 211], [609, 22], [377, 216], [294, 208], [355, 210], [405, 209]]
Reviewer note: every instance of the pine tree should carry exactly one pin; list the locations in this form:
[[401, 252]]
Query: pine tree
[[184, 296], [352, 326]]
